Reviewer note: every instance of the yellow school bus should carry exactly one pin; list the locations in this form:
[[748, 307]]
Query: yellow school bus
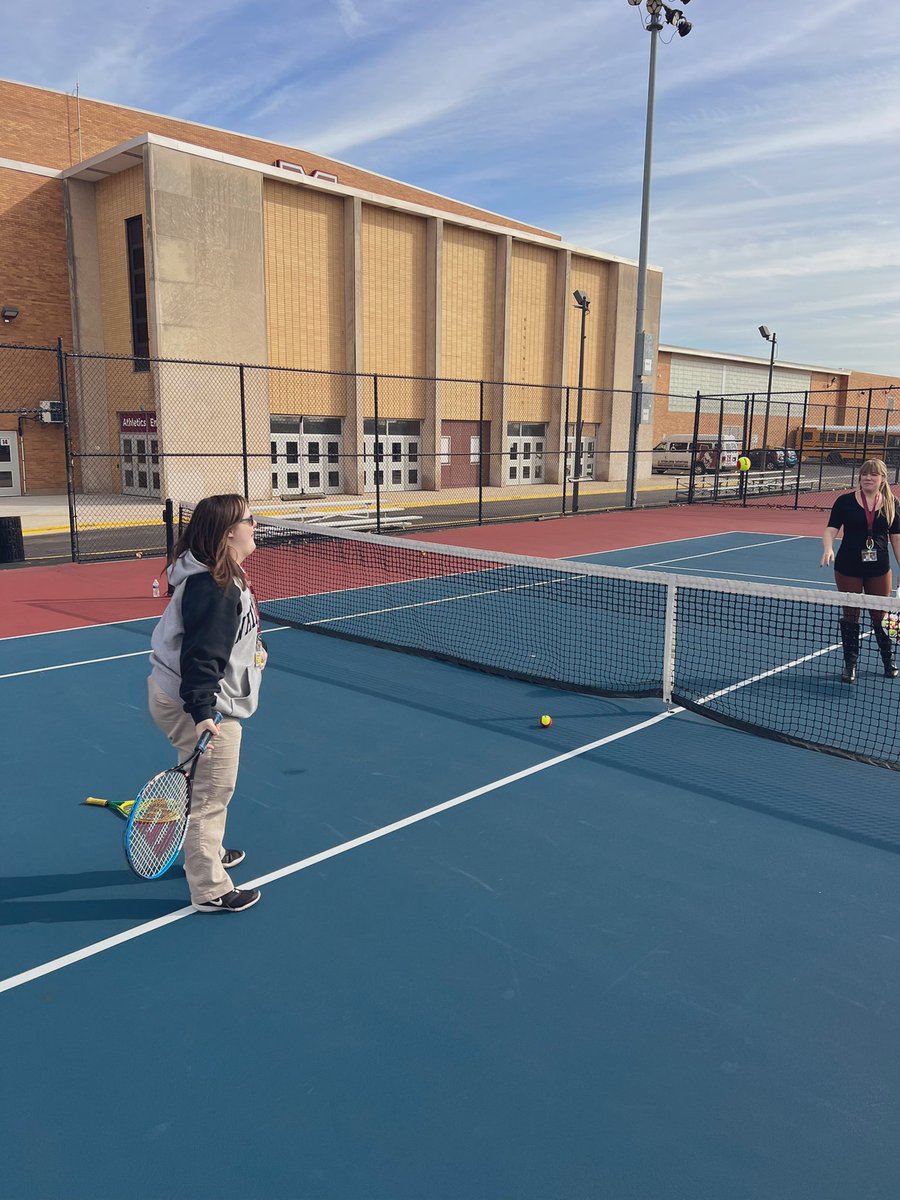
[[848, 443]]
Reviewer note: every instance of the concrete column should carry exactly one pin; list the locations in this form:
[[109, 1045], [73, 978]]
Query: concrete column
[[496, 394], [556, 432], [206, 291], [431, 431], [357, 388]]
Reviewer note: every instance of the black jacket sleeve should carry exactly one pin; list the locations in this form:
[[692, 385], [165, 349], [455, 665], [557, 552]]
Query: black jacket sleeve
[[210, 619]]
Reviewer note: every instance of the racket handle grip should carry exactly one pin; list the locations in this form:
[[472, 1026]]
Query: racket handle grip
[[206, 738]]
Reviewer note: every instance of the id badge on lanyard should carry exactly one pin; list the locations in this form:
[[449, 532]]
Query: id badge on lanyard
[[260, 656], [869, 551]]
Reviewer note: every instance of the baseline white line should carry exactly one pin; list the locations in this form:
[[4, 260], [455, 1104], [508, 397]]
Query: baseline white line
[[118, 939]]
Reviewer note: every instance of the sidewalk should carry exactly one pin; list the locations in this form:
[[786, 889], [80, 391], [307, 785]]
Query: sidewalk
[[50, 514]]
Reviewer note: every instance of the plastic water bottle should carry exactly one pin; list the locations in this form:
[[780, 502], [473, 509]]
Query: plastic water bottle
[[155, 589]]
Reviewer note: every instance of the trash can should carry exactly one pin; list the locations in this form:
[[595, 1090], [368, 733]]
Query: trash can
[[12, 547]]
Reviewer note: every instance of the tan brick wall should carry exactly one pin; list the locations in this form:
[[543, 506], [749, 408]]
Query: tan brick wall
[[305, 286], [532, 300], [26, 378], [52, 130], [467, 318], [592, 278], [393, 249]]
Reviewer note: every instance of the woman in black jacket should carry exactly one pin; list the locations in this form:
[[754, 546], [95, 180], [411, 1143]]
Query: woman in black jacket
[[870, 520], [207, 656]]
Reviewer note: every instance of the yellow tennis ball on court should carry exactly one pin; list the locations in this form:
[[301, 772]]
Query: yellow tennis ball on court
[[546, 721], [743, 463]]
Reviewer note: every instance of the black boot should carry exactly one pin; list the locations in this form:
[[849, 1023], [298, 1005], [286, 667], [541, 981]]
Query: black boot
[[850, 642], [886, 649]]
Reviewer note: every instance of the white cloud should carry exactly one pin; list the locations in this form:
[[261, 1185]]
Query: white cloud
[[776, 175]]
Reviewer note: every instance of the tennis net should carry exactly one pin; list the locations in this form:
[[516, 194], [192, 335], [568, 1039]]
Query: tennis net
[[765, 659]]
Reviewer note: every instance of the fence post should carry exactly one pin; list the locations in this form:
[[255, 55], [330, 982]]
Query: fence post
[[379, 457], [800, 446], [67, 446], [169, 523], [244, 431], [695, 436], [868, 418], [481, 452], [565, 478]]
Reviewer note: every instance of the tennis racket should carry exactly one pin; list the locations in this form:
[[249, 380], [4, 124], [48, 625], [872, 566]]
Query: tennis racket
[[159, 816], [122, 809]]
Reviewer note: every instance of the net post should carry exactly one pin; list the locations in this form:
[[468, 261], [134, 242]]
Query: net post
[[668, 673]]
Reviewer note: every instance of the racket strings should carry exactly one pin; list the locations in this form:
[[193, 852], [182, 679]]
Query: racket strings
[[157, 824]]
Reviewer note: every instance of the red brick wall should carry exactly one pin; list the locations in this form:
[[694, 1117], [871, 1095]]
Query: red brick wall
[[41, 446], [34, 275]]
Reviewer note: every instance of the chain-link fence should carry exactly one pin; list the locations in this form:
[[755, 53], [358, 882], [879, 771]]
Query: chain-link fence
[[365, 451], [801, 449], [120, 436]]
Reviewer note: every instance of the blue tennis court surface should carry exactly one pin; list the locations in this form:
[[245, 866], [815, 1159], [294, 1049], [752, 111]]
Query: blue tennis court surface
[[636, 955]]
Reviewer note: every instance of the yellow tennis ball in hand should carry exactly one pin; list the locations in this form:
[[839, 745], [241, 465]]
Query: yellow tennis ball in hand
[[546, 721]]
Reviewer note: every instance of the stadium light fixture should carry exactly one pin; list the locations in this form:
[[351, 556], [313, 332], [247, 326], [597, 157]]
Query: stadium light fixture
[[641, 407], [769, 336]]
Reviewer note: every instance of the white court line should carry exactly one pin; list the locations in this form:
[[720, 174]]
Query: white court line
[[777, 579], [88, 662], [14, 637], [695, 537], [118, 939], [796, 537]]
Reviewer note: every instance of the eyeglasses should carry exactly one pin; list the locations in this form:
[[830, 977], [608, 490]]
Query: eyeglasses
[[251, 520]]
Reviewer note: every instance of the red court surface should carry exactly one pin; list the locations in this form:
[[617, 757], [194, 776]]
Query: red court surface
[[40, 599]]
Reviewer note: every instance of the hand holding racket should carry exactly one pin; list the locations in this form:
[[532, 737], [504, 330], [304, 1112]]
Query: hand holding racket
[[159, 816]]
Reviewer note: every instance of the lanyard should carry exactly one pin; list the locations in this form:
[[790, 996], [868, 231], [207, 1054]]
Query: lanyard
[[870, 518]]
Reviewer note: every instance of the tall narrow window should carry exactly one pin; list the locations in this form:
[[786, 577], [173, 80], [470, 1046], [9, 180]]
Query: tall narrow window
[[137, 286]]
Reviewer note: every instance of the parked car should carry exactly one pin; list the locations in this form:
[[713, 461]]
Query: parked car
[[677, 454], [772, 458]]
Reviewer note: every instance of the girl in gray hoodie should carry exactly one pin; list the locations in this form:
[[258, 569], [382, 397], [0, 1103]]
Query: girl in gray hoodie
[[207, 656]]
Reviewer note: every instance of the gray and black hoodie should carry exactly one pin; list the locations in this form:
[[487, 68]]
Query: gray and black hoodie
[[204, 647]]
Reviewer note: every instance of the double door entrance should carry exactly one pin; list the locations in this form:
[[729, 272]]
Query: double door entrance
[[307, 455]]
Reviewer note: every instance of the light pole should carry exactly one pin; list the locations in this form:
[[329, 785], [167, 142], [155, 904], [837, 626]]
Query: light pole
[[674, 17], [770, 337], [582, 302]]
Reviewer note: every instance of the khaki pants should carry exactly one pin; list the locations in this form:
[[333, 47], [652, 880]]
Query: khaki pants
[[213, 788]]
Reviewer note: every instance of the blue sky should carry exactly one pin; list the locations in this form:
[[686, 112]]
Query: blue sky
[[776, 182]]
